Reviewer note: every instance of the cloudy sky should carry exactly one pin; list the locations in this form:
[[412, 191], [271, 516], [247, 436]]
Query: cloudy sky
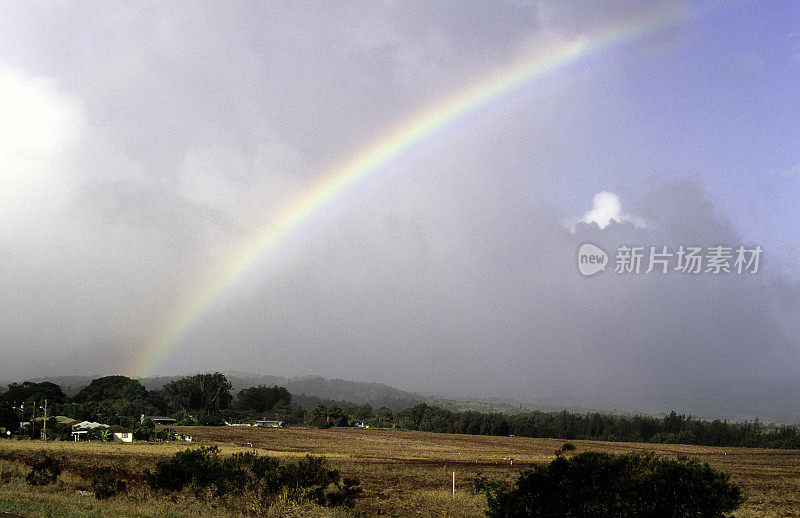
[[141, 147]]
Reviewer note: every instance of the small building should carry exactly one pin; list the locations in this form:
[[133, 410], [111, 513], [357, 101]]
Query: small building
[[120, 434], [269, 423], [80, 431], [88, 425], [66, 421], [158, 420]]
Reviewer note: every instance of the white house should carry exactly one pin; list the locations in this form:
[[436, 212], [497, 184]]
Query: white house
[[80, 431], [120, 434], [269, 423]]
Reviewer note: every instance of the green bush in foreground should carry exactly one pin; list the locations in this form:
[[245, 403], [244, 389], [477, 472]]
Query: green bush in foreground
[[595, 484], [45, 470], [202, 468]]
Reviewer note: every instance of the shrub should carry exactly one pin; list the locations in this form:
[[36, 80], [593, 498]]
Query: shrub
[[604, 485], [309, 477], [144, 431], [108, 481], [45, 470], [482, 484], [567, 446], [164, 434], [210, 420], [344, 494], [306, 478], [198, 467]]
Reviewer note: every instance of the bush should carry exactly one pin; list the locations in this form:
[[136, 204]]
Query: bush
[[165, 434], [567, 446], [108, 481], [344, 494], [604, 485], [196, 467], [62, 432], [210, 420], [144, 431], [307, 478], [45, 470]]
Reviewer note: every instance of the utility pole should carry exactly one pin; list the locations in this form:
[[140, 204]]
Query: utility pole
[[44, 431], [33, 422]]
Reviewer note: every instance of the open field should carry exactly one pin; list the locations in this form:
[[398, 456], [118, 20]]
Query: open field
[[402, 473]]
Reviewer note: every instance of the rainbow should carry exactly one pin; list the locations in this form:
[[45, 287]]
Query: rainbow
[[333, 183]]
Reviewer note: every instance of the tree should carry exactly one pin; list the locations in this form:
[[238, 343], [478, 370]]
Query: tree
[[385, 414], [9, 419], [325, 416], [30, 391], [112, 387], [363, 412], [263, 399], [207, 392], [604, 485]]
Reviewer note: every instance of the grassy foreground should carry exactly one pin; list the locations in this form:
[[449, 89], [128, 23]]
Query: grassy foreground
[[402, 473]]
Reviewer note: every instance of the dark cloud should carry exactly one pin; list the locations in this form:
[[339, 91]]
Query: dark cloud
[[449, 269]]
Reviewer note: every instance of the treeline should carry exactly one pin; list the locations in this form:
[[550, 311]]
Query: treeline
[[671, 429], [202, 399], [207, 399]]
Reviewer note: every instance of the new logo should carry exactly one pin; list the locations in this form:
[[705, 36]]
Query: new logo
[[591, 259]]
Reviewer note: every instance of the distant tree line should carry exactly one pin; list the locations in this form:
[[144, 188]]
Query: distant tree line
[[673, 428], [206, 399]]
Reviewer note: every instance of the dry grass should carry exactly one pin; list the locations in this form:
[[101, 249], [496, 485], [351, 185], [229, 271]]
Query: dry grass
[[402, 473]]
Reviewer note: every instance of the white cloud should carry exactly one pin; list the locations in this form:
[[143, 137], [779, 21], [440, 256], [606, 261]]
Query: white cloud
[[606, 208]]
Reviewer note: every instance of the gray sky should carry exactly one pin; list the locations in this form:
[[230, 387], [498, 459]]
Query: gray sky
[[139, 146]]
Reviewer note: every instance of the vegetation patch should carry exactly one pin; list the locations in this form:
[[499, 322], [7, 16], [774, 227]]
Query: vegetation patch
[[605, 485], [45, 470], [202, 469], [108, 481]]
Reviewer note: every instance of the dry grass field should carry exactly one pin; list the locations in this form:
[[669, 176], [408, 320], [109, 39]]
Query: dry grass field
[[402, 473]]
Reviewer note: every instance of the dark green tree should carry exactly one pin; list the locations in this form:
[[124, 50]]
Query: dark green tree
[[205, 392], [601, 485], [113, 388], [31, 391], [263, 399], [363, 412]]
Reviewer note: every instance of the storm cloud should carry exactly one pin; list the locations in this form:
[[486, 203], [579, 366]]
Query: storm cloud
[[143, 144]]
